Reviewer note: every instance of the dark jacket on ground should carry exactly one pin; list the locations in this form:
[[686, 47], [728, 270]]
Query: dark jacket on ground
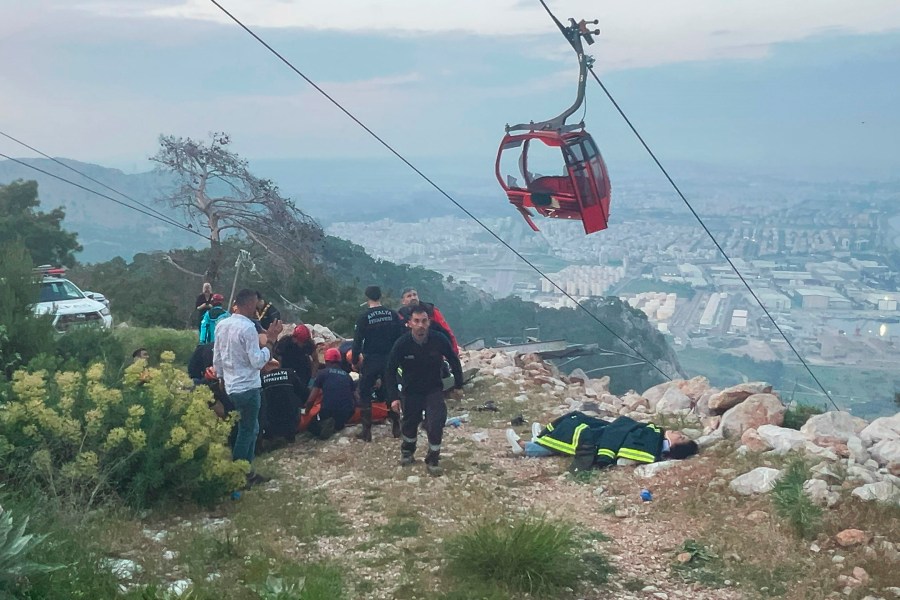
[[598, 443], [421, 364], [377, 330]]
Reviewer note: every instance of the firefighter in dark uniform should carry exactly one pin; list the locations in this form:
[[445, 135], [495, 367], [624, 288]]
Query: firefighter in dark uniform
[[420, 354], [377, 330], [283, 393], [595, 443]]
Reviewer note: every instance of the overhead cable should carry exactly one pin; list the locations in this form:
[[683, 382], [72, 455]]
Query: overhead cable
[[712, 237], [102, 195], [440, 190]]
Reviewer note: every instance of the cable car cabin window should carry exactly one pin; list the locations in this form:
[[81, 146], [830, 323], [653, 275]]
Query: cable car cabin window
[[545, 170], [542, 160], [585, 186], [510, 164], [593, 159]]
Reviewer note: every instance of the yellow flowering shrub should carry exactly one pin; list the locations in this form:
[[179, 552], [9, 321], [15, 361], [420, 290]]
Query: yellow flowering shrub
[[150, 438]]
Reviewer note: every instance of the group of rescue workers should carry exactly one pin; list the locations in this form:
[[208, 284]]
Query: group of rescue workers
[[398, 367]]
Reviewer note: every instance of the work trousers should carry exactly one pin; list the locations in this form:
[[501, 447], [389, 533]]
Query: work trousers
[[247, 404], [372, 370], [339, 417], [435, 409]]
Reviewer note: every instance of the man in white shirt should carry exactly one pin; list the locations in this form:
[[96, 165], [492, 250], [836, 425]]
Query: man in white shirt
[[238, 358]]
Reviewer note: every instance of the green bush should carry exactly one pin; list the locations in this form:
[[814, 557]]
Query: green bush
[[798, 414], [792, 503], [532, 555], [79, 441], [22, 335], [158, 340]]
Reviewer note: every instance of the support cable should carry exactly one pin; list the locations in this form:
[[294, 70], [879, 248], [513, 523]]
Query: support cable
[[89, 178], [712, 237], [102, 195], [440, 190]]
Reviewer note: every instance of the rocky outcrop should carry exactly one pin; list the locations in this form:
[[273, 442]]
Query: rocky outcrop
[[730, 397], [758, 481], [754, 411], [849, 453]]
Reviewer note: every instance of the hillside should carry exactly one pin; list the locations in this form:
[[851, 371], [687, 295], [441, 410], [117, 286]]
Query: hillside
[[355, 525], [105, 229]]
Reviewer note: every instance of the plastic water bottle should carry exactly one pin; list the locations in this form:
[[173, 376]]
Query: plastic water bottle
[[646, 496]]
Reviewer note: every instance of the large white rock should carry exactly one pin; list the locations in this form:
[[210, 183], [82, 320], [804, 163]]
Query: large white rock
[[731, 397], [833, 424], [755, 411], [758, 481], [507, 372], [886, 452], [708, 440], [781, 439], [655, 394], [631, 401], [857, 449], [882, 491], [578, 376], [818, 492], [883, 428], [672, 401], [861, 474], [651, 469], [503, 359], [600, 386], [694, 388]]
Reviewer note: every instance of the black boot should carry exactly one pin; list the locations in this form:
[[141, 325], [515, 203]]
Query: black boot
[[366, 419], [407, 450], [431, 463], [395, 423]]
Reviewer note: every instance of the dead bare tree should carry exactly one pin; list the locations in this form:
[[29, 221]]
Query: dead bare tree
[[217, 192]]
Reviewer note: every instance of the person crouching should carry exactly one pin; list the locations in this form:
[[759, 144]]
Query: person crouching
[[337, 393]]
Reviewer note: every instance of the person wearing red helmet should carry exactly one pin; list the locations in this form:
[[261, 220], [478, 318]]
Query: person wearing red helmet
[[337, 393], [298, 353], [211, 318]]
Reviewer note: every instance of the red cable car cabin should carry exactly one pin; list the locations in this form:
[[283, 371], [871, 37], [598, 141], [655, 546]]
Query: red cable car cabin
[[583, 193]]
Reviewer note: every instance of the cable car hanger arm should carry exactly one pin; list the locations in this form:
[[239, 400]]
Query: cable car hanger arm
[[573, 33]]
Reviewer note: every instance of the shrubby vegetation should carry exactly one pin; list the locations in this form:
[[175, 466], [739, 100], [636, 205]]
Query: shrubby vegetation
[[534, 556], [79, 441]]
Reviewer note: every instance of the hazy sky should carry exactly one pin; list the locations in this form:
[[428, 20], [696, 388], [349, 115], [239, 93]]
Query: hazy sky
[[761, 84]]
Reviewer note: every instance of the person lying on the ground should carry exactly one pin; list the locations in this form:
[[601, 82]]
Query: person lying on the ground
[[337, 393], [596, 443]]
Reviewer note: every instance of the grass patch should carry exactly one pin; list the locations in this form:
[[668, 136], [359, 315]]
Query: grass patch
[[305, 514], [792, 504], [704, 565], [531, 555], [401, 526]]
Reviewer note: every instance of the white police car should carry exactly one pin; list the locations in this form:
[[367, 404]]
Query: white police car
[[69, 306]]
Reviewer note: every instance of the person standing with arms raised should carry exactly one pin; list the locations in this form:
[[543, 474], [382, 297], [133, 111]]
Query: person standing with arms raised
[[377, 330], [421, 354], [237, 359]]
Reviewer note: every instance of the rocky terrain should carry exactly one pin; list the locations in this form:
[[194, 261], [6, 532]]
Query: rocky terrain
[[711, 531]]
